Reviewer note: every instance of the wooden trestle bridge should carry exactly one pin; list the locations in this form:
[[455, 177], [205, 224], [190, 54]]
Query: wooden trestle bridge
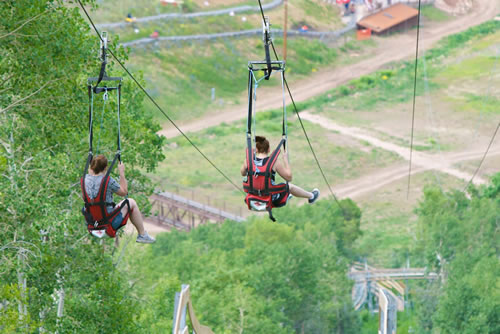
[[175, 211]]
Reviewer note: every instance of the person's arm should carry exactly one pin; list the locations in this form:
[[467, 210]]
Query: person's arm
[[123, 191], [284, 169], [243, 169]]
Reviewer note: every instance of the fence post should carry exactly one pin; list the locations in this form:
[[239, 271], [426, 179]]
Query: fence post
[[176, 305]]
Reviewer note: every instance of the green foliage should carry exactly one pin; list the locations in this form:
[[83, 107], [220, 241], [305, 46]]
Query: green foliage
[[456, 41], [459, 238], [434, 14], [369, 322], [259, 276], [46, 54], [13, 300], [471, 298]]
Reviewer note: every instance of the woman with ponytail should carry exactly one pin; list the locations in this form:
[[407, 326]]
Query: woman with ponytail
[[283, 169]]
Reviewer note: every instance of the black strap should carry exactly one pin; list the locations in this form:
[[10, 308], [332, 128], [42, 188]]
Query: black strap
[[91, 130], [250, 102], [104, 183], [102, 72], [270, 211], [268, 58], [118, 141], [272, 161], [249, 129]]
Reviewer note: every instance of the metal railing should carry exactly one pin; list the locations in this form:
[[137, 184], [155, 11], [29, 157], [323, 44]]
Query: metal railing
[[177, 16], [243, 33]]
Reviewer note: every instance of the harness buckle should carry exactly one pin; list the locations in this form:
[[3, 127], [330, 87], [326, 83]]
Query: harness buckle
[[96, 223], [255, 172]]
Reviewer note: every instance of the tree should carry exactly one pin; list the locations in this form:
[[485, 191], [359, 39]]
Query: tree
[[459, 237], [46, 53]]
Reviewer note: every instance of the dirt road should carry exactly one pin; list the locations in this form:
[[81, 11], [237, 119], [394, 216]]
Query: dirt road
[[421, 161], [391, 49]]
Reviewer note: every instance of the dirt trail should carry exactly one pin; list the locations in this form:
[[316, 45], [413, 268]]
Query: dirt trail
[[382, 177], [391, 49], [420, 159]]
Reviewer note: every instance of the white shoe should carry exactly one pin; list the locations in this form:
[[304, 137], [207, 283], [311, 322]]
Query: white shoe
[[145, 239]]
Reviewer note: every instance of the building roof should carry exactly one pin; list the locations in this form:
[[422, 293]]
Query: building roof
[[388, 17]]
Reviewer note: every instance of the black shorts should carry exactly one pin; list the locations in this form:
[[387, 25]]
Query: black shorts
[[280, 198]]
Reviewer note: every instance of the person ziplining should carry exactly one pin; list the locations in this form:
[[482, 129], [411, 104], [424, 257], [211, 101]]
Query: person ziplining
[[260, 167], [102, 215]]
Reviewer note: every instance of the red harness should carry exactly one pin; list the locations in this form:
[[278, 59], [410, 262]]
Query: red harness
[[95, 210], [259, 183]]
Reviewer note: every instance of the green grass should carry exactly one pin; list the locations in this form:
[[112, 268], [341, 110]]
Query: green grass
[[317, 11], [181, 78], [319, 16], [473, 103], [389, 222], [434, 14], [184, 27], [117, 10], [470, 69]]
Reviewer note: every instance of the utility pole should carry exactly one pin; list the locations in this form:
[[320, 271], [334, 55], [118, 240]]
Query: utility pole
[[285, 29]]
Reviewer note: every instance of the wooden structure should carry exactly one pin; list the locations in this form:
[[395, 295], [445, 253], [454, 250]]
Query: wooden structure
[[183, 301], [391, 19], [174, 211]]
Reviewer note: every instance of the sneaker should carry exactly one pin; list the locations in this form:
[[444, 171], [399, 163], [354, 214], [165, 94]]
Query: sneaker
[[315, 193], [145, 239]]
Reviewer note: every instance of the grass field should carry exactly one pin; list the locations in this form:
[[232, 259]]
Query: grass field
[[431, 13], [117, 10], [317, 15]]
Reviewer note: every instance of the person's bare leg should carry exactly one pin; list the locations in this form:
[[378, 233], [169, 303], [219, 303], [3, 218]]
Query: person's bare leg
[[299, 192], [135, 216]]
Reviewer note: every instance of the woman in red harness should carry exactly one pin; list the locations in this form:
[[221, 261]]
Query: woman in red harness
[[94, 185], [283, 169]]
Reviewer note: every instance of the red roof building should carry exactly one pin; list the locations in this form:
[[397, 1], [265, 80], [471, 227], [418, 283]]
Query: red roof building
[[396, 17]]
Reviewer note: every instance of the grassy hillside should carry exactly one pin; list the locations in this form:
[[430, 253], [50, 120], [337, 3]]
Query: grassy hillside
[[180, 76], [378, 104], [117, 10]]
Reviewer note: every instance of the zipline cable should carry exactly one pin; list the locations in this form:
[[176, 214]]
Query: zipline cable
[[430, 119], [302, 125], [156, 104], [414, 99], [477, 126], [484, 157]]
